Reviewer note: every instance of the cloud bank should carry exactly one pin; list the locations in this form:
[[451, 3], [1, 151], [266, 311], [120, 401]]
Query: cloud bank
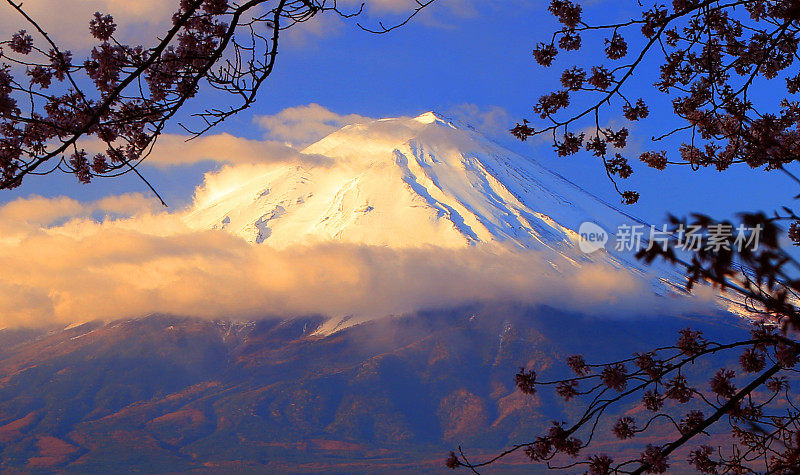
[[120, 257], [176, 150], [304, 125], [85, 270]]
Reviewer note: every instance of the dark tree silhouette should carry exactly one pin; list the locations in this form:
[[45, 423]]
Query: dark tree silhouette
[[124, 95], [711, 56]]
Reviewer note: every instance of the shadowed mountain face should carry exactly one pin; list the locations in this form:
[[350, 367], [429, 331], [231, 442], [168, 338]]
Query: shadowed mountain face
[[168, 394]]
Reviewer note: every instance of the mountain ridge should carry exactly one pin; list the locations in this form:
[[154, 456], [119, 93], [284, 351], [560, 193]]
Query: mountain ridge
[[163, 394]]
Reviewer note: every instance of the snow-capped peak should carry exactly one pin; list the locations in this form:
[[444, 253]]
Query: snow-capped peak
[[429, 118], [406, 182]]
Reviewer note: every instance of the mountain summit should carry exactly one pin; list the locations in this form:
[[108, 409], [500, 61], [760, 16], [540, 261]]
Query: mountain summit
[[407, 182]]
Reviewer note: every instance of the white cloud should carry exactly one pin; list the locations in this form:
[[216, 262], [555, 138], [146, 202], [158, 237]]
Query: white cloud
[[119, 269], [24, 215], [492, 120], [67, 21], [306, 33], [303, 125], [174, 150], [65, 265]]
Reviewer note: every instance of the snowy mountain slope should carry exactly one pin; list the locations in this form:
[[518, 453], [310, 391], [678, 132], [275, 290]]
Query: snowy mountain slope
[[408, 182]]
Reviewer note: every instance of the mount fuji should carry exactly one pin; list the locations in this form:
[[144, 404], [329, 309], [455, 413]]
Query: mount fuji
[[310, 394], [407, 182]]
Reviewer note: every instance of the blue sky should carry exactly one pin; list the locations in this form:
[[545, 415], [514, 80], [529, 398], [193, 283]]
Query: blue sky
[[458, 53]]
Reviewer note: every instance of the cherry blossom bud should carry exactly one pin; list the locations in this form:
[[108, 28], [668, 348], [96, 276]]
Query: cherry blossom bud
[[544, 54], [619, 166], [539, 449], [701, 459], [80, 166], [630, 197], [567, 389], [752, 360], [578, 365], [570, 41], [615, 376], [567, 13], [452, 461], [690, 342], [597, 146], [648, 364], [60, 63], [601, 78], [99, 164], [678, 389], [657, 160], [722, 384], [777, 384], [653, 401], [600, 464], [549, 104], [655, 459], [616, 47], [786, 355], [102, 26], [573, 78], [639, 111], [624, 428], [570, 145], [21, 42], [40, 76], [561, 440], [526, 381], [692, 420]]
